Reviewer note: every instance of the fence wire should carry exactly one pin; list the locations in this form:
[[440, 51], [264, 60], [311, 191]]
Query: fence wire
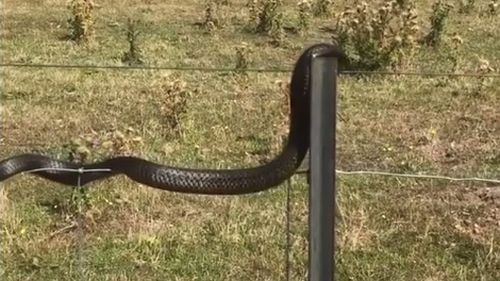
[[306, 171], [250, 70]]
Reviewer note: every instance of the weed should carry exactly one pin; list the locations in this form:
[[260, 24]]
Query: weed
[[98, 145], [456, 41], [267, 14], [484, 67], [253, 11], [493, 7], [378, 37], [265, 17], [242, 58], [322, 7], [451, 50], [172, 102], [278, 32], [134, 54], [82, 20], [304, 7], [79, 201], [466, 6], [211, 20], [440, 13], [453, 54]]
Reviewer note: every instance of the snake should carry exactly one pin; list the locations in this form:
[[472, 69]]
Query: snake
[[196, 181]]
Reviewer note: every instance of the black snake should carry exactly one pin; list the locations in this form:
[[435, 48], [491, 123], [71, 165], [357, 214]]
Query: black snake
[[199, 181]]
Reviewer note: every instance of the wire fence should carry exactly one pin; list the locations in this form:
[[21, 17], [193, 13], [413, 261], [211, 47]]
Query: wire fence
[[258, 70], [78, 222]]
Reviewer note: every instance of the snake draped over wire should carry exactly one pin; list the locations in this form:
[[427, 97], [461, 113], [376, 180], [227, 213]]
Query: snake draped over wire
[[197, 181]]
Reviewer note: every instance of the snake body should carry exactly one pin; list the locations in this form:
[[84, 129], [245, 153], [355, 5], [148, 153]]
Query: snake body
[[197, 181]]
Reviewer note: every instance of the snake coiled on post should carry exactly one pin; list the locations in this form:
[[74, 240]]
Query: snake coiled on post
[[197, 181]]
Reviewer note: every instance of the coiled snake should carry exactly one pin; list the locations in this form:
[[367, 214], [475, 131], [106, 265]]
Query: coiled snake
[[199, 181]]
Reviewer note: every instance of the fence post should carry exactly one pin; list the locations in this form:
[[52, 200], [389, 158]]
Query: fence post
[[322, 168]]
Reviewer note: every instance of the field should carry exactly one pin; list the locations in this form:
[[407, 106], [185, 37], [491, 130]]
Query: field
[[387, 229]]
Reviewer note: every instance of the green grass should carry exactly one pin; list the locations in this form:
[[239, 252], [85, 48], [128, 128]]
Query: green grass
[[388, 229]]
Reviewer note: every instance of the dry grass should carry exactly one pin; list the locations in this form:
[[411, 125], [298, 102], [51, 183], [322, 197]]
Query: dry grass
[[388, 229]]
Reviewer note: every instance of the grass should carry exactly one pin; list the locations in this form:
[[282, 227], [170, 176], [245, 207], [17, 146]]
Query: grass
[[389, 229]]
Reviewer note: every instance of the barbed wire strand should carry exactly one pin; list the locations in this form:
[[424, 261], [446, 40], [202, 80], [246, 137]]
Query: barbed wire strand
[[232, 69]]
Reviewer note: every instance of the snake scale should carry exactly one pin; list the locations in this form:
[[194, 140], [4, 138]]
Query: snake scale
[[197, 181]]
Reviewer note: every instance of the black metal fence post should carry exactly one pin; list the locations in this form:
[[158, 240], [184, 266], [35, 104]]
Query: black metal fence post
[[322, 168]]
